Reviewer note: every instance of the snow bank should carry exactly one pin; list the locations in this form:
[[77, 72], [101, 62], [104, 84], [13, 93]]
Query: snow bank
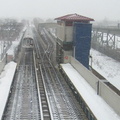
[[14, 46], [6, 78], [107, 67], [99, 107]]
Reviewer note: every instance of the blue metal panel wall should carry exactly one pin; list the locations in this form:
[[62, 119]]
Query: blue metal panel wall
[[82, 42]]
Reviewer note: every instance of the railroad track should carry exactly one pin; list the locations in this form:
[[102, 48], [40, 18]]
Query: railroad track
[[23, 101], [39, 92], [44, 102], [62, 103]]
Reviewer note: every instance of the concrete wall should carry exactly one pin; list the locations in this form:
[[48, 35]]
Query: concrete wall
[[10, 58], [110, 97], [69, 33], [85, 73], [2, 64], [67, 56], [65, 33], [61, 32]]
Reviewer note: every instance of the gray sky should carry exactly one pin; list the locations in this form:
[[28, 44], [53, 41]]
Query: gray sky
[[97, 9]]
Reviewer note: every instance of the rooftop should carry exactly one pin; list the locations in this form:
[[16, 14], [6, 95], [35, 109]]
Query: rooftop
[[74, 17]]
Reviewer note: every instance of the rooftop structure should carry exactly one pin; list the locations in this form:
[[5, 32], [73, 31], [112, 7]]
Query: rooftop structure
[[74, 17], [74, 38]]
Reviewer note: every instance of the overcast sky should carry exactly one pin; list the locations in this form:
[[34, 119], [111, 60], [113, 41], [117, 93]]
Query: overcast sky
[[97, 9]]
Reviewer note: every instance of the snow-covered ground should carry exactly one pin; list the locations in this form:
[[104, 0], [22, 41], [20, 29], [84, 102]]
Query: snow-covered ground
[[98, 106], [107, 67], [6, 78], [13, 46], [7, 75]]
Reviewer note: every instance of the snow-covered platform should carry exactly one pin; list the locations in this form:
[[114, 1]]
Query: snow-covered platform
[[104, 106], [6, 78]]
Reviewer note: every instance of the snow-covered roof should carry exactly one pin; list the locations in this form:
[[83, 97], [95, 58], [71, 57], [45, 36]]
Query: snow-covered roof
[[99, 107], [74, 17]]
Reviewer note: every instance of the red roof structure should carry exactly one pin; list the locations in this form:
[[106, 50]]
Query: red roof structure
[[74, 17]]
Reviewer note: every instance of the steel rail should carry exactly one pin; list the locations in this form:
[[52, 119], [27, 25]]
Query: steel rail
[[47, 101], [60, 99], [55, 110], [24, 103], [38, 90], [45, 106], [65, 109], [63, 89], [54, 77], [50, 93]]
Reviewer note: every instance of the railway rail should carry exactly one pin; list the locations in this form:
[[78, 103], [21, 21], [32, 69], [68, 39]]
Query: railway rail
[[44, 105], [62, 103], [23, 101], [39, 92]]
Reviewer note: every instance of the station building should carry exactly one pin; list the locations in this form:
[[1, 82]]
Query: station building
[[73, 38]]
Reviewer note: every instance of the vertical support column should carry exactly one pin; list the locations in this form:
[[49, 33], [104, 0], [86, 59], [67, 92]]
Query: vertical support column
[[107, 39], [74, 51], [114, 42], [102, 38], [98, 88], [96, 37]]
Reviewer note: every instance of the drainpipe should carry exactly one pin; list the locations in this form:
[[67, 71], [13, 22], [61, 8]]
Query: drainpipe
[[98, 88], [74, 51]]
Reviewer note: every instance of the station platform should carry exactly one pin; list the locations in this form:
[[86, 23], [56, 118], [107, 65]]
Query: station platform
[[6, 79], [96, 103]]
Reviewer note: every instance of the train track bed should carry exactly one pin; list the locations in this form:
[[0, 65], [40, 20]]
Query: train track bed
[[39, 91], [61, 101], [23, 101]]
